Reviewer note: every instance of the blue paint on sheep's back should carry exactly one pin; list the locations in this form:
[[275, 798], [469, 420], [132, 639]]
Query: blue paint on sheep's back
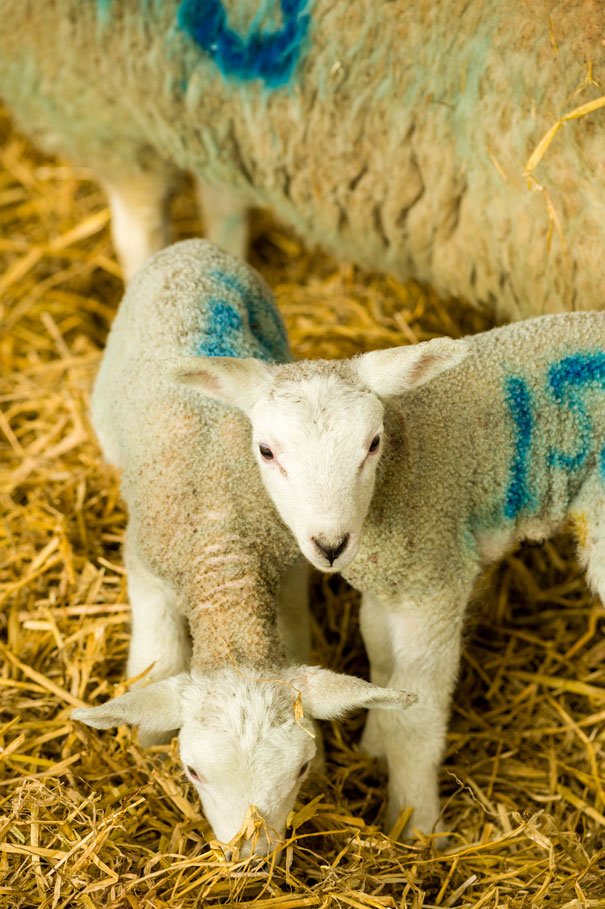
[[568, 381], [242, 322], [271, 56]]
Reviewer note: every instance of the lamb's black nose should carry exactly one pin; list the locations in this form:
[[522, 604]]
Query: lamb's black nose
[[331, 550]]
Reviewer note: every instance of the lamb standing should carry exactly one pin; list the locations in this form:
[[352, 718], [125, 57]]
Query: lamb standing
[[205, 550], [394, 134], [463, 449]]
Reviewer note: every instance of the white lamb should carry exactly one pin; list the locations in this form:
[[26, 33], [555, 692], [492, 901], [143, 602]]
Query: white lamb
[[206, 552], [462, 448], [394, 134]]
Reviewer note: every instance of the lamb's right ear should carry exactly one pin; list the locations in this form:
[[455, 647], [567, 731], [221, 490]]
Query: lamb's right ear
[[233, 380], [155, 708], [399, 369], [327, 695]]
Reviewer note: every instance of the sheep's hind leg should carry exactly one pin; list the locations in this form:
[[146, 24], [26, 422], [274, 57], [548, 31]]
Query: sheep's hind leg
[[140, 224], [159, 634], [376, 637], [225, 217], [426, 644]]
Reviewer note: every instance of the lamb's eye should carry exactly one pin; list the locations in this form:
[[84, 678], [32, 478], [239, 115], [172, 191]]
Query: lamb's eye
[[266, 453], [374, 443], [193, 773], [303, 769]]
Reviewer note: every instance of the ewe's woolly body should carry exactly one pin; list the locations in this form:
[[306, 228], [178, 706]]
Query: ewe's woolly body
[[400, 139], [199, 516], [440, 505]]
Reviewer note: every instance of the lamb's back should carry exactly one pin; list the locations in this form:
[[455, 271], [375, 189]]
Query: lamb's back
[[188, 477]]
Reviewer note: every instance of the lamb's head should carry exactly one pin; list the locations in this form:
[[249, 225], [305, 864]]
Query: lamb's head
[[246, 741], [318, 435]]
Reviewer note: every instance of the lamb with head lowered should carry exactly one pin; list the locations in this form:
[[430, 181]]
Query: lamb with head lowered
[[216, 582], [409, 470]]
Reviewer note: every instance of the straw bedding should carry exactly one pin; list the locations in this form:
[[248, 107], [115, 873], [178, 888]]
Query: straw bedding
[[89, 819]]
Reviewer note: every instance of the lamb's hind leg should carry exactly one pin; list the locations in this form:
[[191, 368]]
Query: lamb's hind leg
[[426, 645], [159, 634]]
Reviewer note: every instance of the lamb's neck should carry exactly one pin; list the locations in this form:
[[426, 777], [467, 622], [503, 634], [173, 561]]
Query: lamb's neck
[[384, 546], [232, 611]]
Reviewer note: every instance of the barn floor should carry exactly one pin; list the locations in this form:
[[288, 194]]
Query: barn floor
[[88, 819]]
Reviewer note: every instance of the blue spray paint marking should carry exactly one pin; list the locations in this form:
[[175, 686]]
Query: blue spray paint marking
[[264, 319], [224, 327], [567, 380], [261, 333], [269, 56], [519, 496]]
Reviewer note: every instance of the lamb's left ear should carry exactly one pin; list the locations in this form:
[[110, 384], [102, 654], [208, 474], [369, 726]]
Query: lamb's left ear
[[155, 708], [399, 369], [327, 695], [229, 379]]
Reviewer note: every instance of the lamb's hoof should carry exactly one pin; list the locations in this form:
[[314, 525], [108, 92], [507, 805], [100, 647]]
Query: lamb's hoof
[[402, 827]]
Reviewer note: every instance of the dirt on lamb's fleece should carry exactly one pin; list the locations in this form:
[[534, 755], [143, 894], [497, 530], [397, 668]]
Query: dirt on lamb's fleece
[[88, 819]]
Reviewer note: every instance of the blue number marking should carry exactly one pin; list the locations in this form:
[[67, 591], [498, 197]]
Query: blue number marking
[[567, 380], [518, 398]]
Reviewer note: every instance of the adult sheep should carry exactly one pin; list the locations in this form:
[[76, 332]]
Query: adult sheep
[[395, 134], [209, 561], [409, 470]]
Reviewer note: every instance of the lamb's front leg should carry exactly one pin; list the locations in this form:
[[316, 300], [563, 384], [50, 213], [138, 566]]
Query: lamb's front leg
[[159, 634], [374, 624], [425, 638], [294, 625]]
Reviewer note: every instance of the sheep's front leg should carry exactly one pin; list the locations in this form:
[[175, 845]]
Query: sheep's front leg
[[225, 217], [425, 640], [140, 224]]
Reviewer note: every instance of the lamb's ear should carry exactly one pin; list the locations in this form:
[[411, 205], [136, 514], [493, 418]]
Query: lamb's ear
[[399, 369], [327, 695], [155, 708], [229, 379]]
